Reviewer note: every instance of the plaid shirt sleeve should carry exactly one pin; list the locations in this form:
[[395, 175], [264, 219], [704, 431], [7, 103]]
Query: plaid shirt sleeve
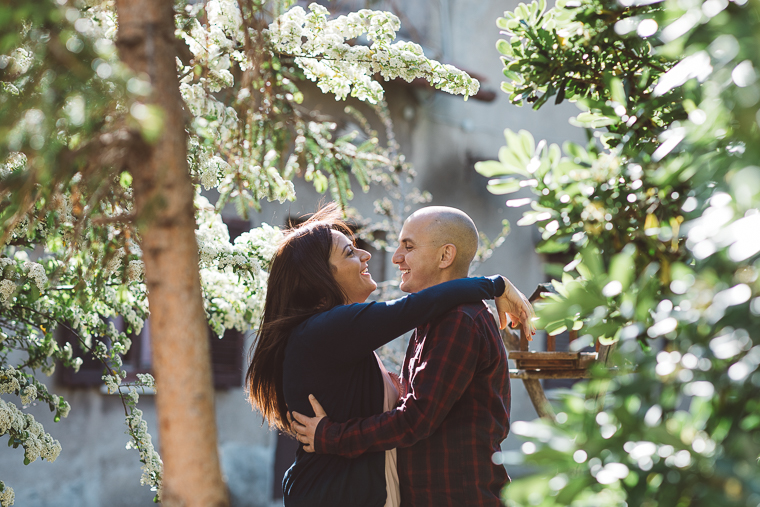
[[435, 384]]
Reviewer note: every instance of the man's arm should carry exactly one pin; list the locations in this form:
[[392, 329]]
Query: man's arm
[[447, 368]]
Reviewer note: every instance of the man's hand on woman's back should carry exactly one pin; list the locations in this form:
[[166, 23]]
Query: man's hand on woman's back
[[305, 427]]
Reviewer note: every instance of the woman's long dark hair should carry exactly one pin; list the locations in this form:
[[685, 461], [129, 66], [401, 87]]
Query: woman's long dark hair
[[301, 284]]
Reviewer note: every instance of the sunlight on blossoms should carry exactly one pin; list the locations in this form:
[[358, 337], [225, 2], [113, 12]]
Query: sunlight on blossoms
[[321, 50]]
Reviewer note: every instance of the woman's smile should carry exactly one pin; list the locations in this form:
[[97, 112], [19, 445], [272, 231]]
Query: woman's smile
[[348, 261]]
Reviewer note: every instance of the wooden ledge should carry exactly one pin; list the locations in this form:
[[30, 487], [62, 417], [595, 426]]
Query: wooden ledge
[[547, 374], [550, 361], [552, 356]]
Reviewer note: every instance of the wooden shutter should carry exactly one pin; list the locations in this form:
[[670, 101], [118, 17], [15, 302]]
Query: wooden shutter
[[227, 359]]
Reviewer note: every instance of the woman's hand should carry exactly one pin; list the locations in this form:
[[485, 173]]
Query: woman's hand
[[305, 427], [517, 306]]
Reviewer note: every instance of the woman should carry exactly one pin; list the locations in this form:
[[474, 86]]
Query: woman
[[317, 336]]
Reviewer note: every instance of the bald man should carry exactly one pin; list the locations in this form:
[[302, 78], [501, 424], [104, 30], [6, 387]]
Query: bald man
[[453, 412]]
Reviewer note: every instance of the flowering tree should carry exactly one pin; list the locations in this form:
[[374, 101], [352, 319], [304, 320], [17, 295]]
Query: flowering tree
[[657, 219], [112, 115]]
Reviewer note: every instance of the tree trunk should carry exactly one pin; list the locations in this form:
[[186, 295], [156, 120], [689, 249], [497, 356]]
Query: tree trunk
[[164, 204]]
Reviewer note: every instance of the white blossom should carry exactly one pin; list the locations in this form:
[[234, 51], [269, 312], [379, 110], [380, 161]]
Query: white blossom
[[152, 468], [36, 272], [132, 395], [263, 241], [7, 288], [76, 363], [22, 60], [212, 168], [24, 427], [212, 235], [64, 409], [146, 380], [320, 48], [7, 495], [51, 449], [112, 383], [8, 381], [14, 162], [64, 208], [135, 270], [233, 283], [29, 394], [219, 120], [114, 263]]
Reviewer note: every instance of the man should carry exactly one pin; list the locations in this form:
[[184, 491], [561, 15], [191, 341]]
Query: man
[[456, 411]]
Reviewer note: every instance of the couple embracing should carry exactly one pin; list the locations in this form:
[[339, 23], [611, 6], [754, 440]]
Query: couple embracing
[[425, 438]]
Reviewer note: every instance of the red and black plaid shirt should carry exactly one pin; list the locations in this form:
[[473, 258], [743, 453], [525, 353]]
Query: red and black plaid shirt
[[450, 422]]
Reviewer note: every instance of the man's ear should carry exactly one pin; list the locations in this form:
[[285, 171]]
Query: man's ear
[[447, 254]]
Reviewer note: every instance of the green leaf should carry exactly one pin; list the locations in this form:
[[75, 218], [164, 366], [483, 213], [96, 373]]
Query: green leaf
[[556, 328], [125, 179], [555, 154], [553, 245], [516, 146], [320, 182], [528, 143], [622, 266], [593, 120], [504, 47], [490, 168], [573, 488], [560, 93], [750, 422], [560, 286], [617, 91], [528, 218], [514, 76], [512, 164], [584, 271], [593, 260], [576, 151], [507, 87], [503, 186]]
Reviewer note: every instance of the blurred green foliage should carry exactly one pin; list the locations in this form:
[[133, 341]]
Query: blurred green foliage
[[657, 219]]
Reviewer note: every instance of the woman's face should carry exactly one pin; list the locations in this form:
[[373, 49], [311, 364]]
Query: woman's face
[[350, 269]]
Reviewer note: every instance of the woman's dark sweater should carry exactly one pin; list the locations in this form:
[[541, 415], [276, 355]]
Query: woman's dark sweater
[[330, 355]]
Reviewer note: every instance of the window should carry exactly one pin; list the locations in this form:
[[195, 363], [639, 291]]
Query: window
[[136, 360], [226, 359]]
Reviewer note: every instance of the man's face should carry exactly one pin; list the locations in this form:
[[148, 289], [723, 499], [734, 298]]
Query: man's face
[[417, 255]]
